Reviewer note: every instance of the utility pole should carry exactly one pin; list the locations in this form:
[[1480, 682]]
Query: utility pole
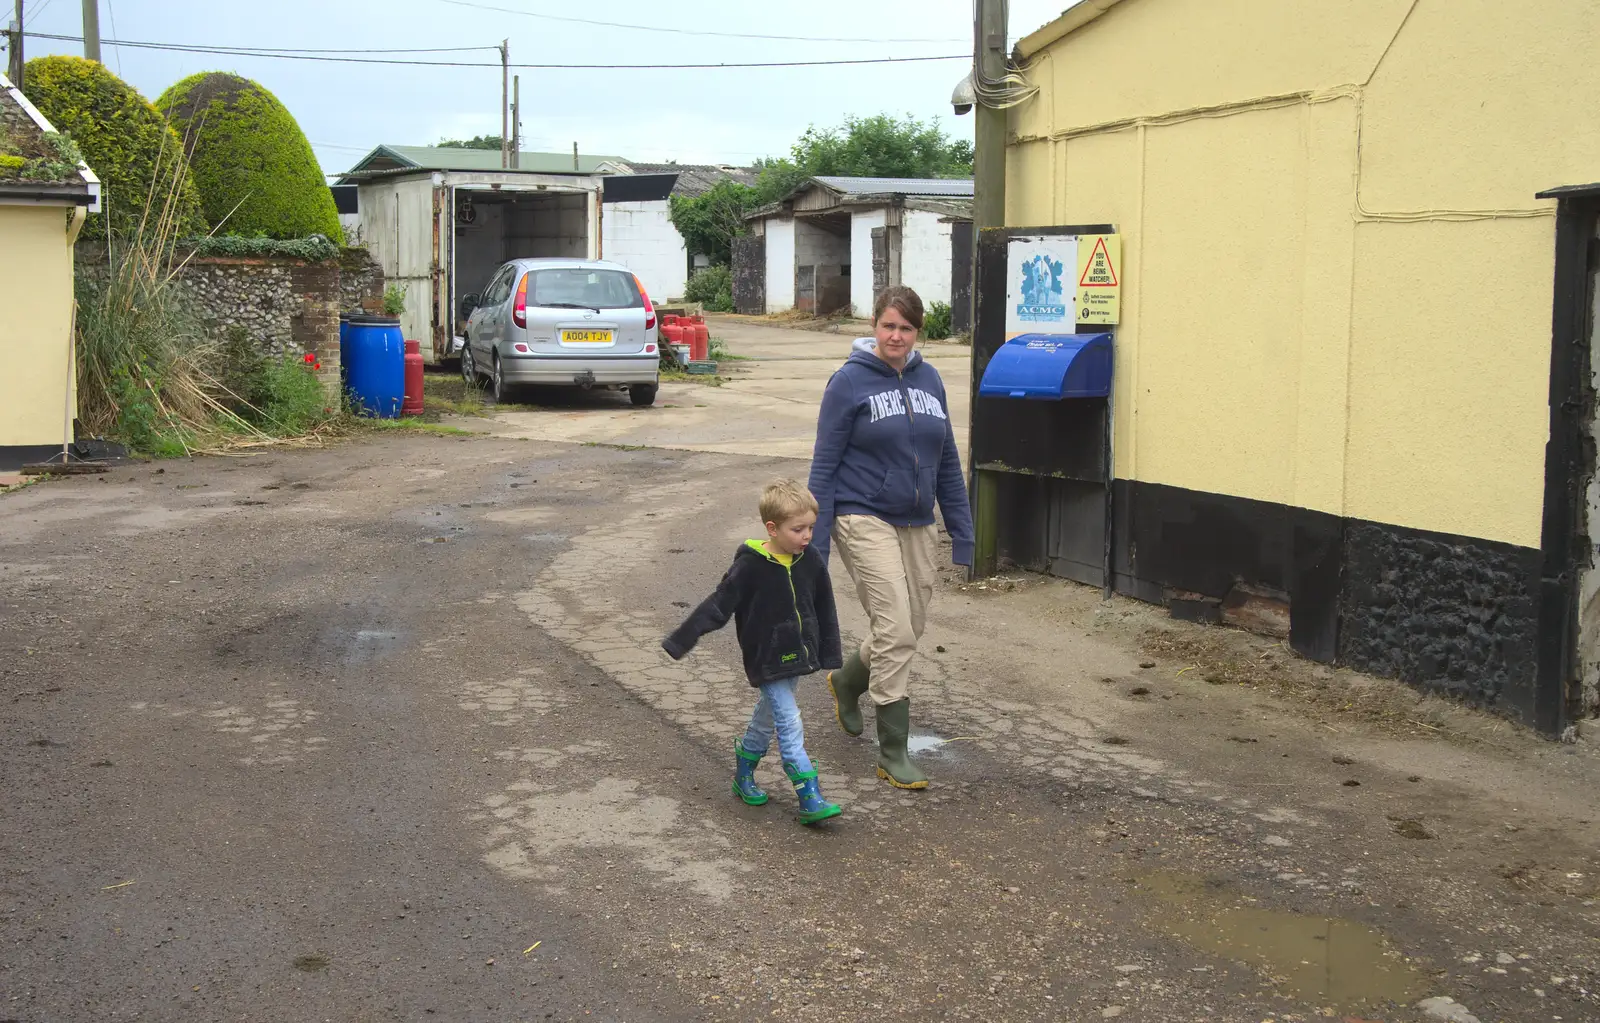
[[989, 144], [516, 121], [91, 30], [505, 103], [14, 37]]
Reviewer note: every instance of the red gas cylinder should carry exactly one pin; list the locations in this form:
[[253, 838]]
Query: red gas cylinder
[[672, 331], [700, 345], [412, 404]]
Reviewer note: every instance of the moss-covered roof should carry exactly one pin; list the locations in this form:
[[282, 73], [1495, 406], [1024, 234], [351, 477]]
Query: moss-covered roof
[[33, 155]]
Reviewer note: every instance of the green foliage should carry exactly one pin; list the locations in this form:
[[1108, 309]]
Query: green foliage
[[394, 300], [289, 398], [255, 170], [314, 249], [936, 321], [879, 146], [712, 287], [138, 352], [872, 147], [711, 221], [476, 142], [148, 375], [126, 142], [11, 164], [60, 164]]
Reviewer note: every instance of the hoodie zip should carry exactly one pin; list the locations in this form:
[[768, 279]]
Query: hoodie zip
[[794, 596], [911, 428]]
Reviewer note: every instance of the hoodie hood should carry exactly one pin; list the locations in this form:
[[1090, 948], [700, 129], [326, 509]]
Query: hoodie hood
[[867, 355], [757, 549]]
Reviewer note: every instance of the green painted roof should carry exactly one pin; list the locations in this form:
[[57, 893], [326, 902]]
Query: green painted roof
[[401, 159]]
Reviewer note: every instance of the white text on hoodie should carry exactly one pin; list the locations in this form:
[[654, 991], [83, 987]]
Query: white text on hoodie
[[892, 403]]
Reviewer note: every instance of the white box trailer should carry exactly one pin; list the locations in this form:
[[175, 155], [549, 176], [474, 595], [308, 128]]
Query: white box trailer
[[439, 235]]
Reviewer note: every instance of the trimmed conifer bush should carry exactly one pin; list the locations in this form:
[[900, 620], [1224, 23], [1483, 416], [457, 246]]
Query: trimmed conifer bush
[[125, 141], [254, 168]]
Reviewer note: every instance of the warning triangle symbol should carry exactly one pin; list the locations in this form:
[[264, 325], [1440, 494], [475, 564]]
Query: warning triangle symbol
[[1099, 273]]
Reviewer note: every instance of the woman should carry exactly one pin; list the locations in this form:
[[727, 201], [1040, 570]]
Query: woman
[[885, 449]]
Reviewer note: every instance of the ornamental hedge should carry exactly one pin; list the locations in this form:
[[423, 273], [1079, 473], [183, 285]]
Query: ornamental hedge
[[254, 168], [125, 141]]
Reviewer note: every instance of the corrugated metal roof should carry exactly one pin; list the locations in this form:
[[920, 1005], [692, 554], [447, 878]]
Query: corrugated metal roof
[[899, 186], [696, 178], [445, 158]]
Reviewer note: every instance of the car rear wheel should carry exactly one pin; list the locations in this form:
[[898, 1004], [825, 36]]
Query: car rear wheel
[[502, 389], [643, 394]]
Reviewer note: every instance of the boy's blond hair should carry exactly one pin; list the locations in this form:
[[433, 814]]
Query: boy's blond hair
[[784, 500]]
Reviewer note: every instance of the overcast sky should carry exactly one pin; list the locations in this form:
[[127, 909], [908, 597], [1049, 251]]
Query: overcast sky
[[713, 115]]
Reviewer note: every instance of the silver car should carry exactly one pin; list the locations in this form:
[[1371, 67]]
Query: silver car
[[581, 322]]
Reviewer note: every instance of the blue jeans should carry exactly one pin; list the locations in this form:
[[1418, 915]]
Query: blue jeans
[[778, 711]]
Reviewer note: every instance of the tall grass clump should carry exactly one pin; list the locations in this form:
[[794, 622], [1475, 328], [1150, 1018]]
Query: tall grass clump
[[147, 372]]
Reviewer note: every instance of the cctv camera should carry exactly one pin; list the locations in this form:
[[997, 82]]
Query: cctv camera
[[964, 96]]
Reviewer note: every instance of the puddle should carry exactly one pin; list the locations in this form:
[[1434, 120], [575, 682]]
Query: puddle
[[928, 743], [371, 644], [1324, 960]]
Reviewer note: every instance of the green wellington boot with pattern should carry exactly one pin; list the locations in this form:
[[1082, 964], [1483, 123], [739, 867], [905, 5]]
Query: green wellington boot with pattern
[[744, 776], [894, 763], [848, 685], [813, 808]]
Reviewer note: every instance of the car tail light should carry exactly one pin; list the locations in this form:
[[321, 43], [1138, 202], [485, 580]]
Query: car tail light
[[520, 348], [649, 349], [519, 311], [649, 310]]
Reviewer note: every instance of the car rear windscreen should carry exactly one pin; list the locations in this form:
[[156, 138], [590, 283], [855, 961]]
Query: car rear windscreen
[[575, 286]]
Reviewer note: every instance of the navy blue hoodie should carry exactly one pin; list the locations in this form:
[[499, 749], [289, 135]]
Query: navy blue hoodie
[[885, 448]]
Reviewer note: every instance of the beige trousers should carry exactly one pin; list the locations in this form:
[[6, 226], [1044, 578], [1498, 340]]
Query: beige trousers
[[892, 567]]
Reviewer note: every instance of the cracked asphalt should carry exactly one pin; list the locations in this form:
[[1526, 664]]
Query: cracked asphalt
[[383, 732]]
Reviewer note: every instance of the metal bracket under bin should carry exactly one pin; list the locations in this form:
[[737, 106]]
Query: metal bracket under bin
[[1050, 367]]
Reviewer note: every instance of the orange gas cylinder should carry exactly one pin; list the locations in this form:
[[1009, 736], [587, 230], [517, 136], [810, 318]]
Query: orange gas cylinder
[[412, 403], [700, 346]]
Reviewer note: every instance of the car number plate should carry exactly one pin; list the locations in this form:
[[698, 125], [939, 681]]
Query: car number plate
[[586, 337]]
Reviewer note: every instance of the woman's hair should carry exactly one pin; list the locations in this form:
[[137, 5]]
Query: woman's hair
[[903, 300]]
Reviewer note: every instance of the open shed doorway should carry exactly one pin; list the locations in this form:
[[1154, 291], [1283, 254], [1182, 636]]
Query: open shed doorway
[[822, 263], [494, 226]]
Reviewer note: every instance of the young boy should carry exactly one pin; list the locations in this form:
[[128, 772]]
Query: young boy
[[782, 605]]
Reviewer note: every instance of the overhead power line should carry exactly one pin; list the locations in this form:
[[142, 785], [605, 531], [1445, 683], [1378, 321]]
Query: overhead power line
[[315, 55], [672, 30]]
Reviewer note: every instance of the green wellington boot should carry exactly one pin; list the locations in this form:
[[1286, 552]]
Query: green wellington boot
[[813, 808], [744, 775], [848, 685], [894, 764]]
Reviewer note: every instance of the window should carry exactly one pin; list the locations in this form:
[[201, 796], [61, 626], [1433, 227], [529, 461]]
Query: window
[[498, 288], [577, 288]]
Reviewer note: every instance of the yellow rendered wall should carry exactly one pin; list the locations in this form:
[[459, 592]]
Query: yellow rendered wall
[[1337, 282], [35, 325]]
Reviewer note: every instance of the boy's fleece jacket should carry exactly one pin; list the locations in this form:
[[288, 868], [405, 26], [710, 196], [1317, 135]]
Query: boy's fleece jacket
[[885, 448], [784, 615]]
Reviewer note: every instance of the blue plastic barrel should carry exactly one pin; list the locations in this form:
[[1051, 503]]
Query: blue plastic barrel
[[372, 353]]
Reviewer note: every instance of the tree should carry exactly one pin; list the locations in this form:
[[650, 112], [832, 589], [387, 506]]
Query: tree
[[879, 146], [255, 170], [125, 141], [709, 222], [476, 142], [869, 147]]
